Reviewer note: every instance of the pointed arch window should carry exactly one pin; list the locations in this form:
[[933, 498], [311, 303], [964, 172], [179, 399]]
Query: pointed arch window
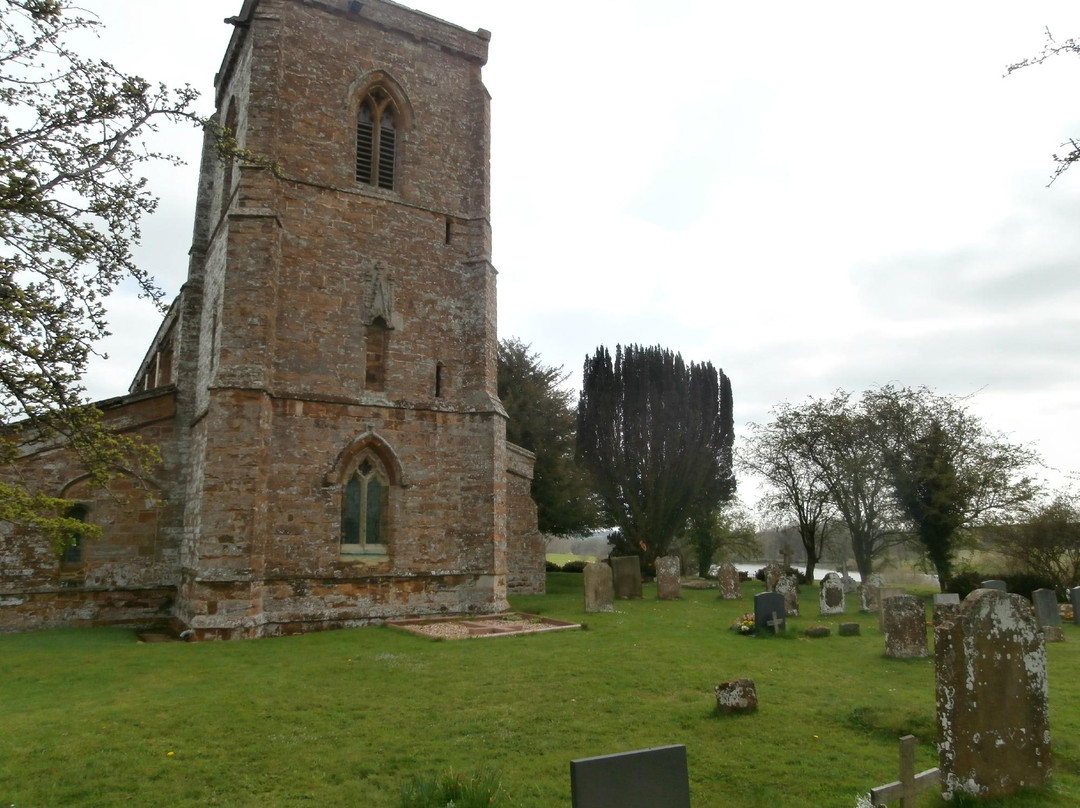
[[376, 139], [364, 508]]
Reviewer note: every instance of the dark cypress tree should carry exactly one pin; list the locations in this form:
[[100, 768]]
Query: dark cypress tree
[[657, 437]]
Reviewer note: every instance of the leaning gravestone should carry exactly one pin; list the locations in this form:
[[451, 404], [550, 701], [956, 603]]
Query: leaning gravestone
[[667, 578], [1047, 615], [788, 586], [647, 778], [831, 597], [870, 593], [904, 622], [993, 721], [627, 570], [769, 613], [728, 578], [599, 588], [997, 584]]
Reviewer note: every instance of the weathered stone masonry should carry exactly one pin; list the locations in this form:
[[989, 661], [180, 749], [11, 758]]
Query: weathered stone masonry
[[335, 343]]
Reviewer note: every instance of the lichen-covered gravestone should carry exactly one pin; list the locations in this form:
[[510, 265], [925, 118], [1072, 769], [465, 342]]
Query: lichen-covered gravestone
[[788, 586], [945, 604], [993, 721], [904, 622], [667, 578], [870, 593], [736, 696], [728, 578], [773, 571], [769, 615], [627, 570], [831, 598], [1047, 615], [599, 588]]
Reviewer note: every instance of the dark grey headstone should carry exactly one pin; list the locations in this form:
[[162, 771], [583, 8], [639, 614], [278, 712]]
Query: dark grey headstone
[[1046, 607], [995, 584], [1074, 596], [627, 571], [647, 778], [767, 604]]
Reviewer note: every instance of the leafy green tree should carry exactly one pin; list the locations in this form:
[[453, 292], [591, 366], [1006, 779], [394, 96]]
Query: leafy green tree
[[657, 435], [727, 533], [71, 201], [948, 471], [796, 488], [1046, 541], [542, 420]]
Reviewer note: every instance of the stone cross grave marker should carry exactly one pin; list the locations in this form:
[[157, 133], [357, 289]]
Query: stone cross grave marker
[[831, 597], [907, 788], [667, 578], [627, 570], [992, 701], [599, 588], [787, 553], [769, 612], [646, 778]]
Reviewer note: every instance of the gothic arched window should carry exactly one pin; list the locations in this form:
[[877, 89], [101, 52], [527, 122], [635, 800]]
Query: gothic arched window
[[376, 139], [364, 507]]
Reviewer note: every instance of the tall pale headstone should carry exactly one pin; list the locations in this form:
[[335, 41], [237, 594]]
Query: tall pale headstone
[[599, 588], [831, 597], [728, 578], [870, 593], [904, 623], [667, 578], [627, 571], [788, 586], [992, 712]]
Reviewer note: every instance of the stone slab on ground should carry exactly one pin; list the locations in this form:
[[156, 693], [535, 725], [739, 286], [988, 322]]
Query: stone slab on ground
[[460, 627]]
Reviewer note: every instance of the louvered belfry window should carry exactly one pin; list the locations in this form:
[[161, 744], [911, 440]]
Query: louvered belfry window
[[375, 144]]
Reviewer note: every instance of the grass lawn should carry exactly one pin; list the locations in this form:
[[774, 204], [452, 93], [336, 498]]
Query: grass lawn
[[345, 718]]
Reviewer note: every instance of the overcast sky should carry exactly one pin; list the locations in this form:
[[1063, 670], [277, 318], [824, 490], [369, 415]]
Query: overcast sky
[[812, 196]]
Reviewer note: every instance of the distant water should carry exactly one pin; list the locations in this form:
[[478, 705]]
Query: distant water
[[819, 571]]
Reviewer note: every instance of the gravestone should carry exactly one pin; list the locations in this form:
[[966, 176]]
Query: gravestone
[[851, 586], [995, 584], [1046, 607], [787, 553], [647, 778], [870, 593], [788, 586], [627, 571], [904, 623], [992, 711], [736, 696], [909, 785], [817, 632], [599, 588], [773, 571], [769, 613], [884, 594], [1074, 598], [945, 604], [728, 579], [831, 597], [849, 630], [667, 578]]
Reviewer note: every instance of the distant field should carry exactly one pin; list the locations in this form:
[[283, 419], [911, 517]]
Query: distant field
[[91, 719], [565, 558]]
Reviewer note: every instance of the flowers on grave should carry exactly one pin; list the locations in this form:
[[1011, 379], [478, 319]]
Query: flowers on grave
[[744, 624]]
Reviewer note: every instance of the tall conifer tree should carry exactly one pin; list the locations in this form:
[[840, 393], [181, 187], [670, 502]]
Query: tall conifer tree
[[657, 435]]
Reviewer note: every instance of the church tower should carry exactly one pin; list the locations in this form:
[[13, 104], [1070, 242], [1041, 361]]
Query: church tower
[[345, 453]]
